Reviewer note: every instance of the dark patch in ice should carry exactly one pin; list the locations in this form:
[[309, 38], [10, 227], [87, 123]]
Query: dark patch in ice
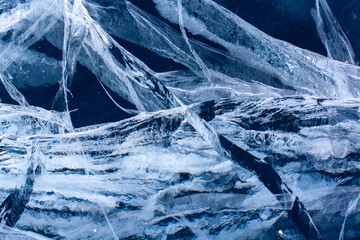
[[90, 103], [44, 46]]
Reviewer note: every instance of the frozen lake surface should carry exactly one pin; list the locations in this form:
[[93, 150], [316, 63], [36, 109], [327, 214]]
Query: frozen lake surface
[[179, 119]]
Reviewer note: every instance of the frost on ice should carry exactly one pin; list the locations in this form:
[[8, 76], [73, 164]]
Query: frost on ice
[[174, 119]]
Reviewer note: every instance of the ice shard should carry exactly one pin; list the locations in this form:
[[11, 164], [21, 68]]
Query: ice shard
[[333, 37], [173, 119]]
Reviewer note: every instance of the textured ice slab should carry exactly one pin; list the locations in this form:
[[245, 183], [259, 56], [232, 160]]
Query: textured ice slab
[[154, 172]]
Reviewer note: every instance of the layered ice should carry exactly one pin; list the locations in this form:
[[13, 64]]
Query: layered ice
[[226, 132]]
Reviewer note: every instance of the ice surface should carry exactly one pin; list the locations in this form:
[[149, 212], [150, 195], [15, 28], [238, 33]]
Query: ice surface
[[227, 132]]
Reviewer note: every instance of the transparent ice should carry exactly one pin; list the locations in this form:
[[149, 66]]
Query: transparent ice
[[244, 137]]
